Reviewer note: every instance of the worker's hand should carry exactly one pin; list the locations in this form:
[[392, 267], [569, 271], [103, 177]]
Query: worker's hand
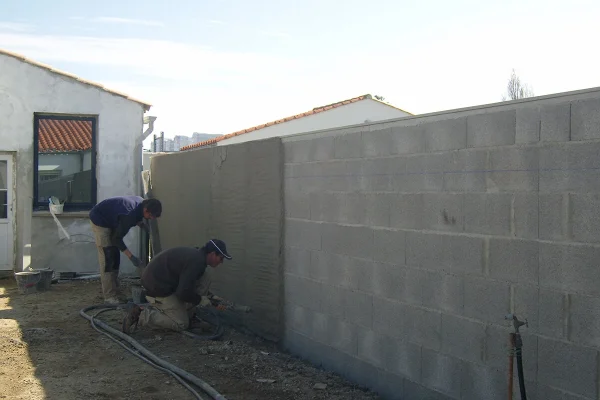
[[205, 301], [221, 307], [135, 261]]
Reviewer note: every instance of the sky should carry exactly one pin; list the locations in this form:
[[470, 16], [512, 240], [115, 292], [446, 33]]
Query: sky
[[223, 65]]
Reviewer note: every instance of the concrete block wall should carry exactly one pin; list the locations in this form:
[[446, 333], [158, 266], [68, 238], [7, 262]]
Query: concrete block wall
[[407, 242]]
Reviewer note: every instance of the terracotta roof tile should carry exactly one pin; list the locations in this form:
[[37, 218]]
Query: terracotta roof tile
[[315, 110], [75, 77], [57, 135]]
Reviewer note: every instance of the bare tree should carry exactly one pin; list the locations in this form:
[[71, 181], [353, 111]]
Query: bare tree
[[380, 98], [515, 89]]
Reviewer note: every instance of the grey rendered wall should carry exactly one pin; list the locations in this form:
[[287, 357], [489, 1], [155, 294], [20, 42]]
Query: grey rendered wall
[[233, 193], [407, 242]]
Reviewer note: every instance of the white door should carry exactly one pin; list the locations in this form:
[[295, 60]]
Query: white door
[[6, 213]]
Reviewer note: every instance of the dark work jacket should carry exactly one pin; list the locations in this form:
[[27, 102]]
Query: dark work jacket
[[119, 214], [175, 271]]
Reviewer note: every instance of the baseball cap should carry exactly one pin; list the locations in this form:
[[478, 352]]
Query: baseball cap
[[218, 246]]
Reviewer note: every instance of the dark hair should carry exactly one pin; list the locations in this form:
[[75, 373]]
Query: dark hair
[[153, 206]]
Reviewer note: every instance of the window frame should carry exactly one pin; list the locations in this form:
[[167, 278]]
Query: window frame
[[37, 206]]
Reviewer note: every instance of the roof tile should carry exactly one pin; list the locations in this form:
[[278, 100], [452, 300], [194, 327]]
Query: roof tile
[[58, 135]]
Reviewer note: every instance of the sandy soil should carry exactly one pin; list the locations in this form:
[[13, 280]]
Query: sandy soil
[[48, 351]]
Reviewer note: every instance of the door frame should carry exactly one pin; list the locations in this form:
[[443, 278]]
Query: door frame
[[10, 203]]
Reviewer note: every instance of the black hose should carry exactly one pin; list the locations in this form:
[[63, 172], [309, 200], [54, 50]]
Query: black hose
[[519, 352], [151, 356]]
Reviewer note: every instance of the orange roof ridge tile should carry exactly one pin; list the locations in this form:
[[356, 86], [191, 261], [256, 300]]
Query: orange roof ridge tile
[[72, 76]]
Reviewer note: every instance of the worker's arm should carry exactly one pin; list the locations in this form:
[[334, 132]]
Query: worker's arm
[[124, 225], [186, 289]]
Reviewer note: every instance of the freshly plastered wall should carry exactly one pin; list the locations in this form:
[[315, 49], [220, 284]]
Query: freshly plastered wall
[[408, 241], [26, 89], [232, 193]]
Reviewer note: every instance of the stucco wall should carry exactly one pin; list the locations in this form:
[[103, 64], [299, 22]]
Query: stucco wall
[[349, 114], [26, 89], [407, 242], [234, 194]]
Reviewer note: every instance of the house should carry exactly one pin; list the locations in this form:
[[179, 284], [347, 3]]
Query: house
[[62, 136], [358, 110]]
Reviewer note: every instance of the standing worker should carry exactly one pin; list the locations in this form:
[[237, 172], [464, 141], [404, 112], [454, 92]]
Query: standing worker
[[111, 220], [175, 286]]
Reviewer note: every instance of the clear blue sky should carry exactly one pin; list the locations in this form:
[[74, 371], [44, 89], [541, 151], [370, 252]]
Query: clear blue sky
[[221, 65]]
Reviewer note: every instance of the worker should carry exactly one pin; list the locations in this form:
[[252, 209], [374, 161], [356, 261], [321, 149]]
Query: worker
[[175, 286], [111, 220]]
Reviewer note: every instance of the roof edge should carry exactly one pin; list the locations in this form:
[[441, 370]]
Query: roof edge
[[65, 74]]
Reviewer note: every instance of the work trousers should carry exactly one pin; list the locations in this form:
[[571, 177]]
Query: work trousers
[[170, 312], [109, 259]]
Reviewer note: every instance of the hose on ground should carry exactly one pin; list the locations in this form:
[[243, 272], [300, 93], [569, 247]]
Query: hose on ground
[[145, 352]]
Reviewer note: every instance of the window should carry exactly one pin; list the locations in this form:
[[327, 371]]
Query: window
[[64, 161]]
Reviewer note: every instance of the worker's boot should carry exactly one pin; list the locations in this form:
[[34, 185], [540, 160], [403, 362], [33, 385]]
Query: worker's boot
[[131, 318]]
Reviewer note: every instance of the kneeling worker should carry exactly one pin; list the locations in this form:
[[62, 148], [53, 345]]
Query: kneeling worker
[[111, 220], [172, 280]]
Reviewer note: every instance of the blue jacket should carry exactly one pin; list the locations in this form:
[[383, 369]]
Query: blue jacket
[[119, 214]]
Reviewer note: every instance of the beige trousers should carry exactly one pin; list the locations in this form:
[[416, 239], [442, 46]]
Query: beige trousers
[[109, 280], [170, 312]]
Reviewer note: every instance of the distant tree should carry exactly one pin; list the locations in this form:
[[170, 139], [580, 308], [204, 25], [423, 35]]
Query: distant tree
[[380, 98], [516, 89]]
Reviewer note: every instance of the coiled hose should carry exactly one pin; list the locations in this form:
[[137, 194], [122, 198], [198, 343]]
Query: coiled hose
[[147, 356]]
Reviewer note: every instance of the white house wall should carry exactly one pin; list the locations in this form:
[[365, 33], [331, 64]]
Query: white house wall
[[349, 114], [26, 89]]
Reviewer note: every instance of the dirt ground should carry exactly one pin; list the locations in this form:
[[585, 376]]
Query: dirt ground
[[48, 351]]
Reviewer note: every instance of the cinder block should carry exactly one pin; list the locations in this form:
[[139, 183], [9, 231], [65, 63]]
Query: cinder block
[[352, 208], [401, 357], [389, 386], [548, 393], [370, 347], [463, 338], [480, 382], [406, 211], [382, 174], [303, 292], [492, 129], [343, 271], [319, 323], [303, 234], [528, 125], [585, 320], [513, 169], [568, 367], [426, 172], [378, 143], [389, 317], [556, 123], [585, 119], [486, 300], [570, 167], [326, 207], [333, 301], [348, 145], [441, 291], [445, 135], [553, 313], [297, 262], [442, 373], [388, 281], [389, 246], [296, 318], [553, 216], [358, 308], [467, 172], [585, 218], [377, 211], [424, 327], [443, 212], [488, 213], [514, 260], [526, 215], [296, 204], [413, 390], [497, 345], [297, 151], [343, 336], [570, 268], [355, 241], [453, 253], [321, 148], [408, 140], [526, 304]]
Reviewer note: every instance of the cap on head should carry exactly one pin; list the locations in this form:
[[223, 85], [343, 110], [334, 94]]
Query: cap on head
[[218, 246]]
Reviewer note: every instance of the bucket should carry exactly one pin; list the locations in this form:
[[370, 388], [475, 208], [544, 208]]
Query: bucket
[[56, 208], [45, 279], [27, 281], [138, 294]]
